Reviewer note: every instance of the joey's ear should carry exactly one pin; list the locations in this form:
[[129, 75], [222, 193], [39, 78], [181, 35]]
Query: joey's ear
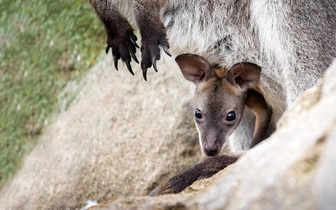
[[244, 75], [194, 67]]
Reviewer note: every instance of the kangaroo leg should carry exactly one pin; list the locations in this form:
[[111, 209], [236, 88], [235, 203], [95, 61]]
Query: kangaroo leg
[[206, 169]]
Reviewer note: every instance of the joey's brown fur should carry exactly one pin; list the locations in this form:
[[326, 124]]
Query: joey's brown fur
[[256, 102]]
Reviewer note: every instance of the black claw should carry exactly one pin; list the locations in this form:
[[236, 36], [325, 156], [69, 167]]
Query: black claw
[[165, 49], [133, 56], [154, 63], [107, 49], [144, 73], [129, 67], [115, 59], [134, 43]]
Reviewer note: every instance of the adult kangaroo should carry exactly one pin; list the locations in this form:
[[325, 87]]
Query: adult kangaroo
[[293, 42]]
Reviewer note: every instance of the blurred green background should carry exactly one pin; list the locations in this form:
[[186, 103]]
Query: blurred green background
[[43, 45]]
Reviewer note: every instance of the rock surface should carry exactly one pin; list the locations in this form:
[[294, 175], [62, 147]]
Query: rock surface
[[120, 137], [113, 146]]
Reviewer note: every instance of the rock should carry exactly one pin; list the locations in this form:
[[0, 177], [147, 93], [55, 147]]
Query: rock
[[110, 142], [293, 169], [112, 146]]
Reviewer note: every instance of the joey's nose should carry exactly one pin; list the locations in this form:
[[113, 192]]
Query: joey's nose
[[210, 150]]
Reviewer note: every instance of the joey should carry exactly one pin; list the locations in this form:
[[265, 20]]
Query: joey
[[220, 99]]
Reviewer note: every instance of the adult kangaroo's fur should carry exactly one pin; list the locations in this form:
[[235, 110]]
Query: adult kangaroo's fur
[[292, 41]]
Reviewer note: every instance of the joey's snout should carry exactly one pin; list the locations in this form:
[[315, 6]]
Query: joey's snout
[[210, 150], [211, 142]]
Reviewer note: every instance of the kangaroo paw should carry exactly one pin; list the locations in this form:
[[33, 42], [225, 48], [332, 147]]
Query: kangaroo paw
[[123, 47], [152, 38]]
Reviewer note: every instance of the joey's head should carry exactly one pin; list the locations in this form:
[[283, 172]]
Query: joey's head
[[220, 98]]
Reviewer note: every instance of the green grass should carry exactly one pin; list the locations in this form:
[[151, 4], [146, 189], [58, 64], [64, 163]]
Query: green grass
[[43, 44]]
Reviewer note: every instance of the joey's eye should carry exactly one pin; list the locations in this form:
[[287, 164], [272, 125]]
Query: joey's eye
[[198, 114], [231, 116]]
